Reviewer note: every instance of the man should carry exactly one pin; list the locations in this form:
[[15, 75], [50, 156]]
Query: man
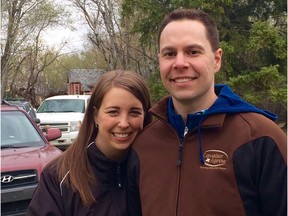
[[208, 152]]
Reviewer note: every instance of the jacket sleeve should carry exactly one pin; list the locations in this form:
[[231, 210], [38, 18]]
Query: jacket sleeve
[[133, 195], [261, 173], [47, 198]]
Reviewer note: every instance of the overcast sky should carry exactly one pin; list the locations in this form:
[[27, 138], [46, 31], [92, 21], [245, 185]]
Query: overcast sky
[[74, 39]]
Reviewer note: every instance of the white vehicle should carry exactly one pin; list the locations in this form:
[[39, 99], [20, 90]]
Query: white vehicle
[[65, 112]]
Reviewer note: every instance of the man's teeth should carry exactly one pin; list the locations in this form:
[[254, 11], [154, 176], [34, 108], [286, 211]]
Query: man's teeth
[[185, 79], [121, 135]]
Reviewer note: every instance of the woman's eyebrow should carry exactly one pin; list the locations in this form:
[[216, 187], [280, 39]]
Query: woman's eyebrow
[[112, 107], [137, 108]]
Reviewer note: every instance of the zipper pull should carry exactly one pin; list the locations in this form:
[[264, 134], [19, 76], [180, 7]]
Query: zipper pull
[[185, 131], [180, 151], [119, 177], [180, 148]]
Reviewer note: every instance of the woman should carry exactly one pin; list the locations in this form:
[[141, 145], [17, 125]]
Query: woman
[[89, 178]]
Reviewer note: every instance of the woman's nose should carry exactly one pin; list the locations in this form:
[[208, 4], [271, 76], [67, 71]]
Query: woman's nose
[[123, 122]]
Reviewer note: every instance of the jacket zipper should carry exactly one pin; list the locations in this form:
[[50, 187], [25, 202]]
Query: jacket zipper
[[119, 184], [179, 162], [180, 148]]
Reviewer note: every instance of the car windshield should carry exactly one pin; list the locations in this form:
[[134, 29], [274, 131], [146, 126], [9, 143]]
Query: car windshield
[[62, 105], [17, 131]]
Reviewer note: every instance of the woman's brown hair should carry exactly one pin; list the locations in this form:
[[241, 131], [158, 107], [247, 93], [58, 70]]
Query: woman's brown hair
[[75, 160]]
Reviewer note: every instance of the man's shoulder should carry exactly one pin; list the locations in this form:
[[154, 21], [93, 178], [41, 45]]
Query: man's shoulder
[[257, 118], [153, 126], [153, 131], [261, 125]]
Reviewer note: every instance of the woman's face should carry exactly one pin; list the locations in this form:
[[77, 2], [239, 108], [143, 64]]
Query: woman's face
[[119, 119]]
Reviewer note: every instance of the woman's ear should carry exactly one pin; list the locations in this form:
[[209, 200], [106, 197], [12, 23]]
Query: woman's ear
[[94, 110], [95, 114]]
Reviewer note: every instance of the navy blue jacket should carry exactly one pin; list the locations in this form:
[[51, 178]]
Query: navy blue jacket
[[54, 198]]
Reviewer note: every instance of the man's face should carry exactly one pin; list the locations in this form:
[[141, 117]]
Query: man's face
[[187, 63]]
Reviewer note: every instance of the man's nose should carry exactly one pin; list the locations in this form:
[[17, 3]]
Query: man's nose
[[180, 61]]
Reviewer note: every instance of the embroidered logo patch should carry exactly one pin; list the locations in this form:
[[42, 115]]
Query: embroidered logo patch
[[215, 158]]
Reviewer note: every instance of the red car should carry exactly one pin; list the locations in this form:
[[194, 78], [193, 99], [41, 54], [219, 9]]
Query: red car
[[25, 151]]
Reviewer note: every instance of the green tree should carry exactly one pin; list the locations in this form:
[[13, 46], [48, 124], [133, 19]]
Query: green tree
[[264, 88], [24, 55], [253, 37]]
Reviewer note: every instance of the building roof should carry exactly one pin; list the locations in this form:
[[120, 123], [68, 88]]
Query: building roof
[[86, 77]]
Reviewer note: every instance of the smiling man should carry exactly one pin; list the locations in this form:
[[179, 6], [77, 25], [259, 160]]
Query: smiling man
[[188, 65], [208, 152]]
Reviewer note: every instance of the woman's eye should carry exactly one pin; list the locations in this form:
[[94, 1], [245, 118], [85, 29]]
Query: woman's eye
[[136, 113], [113, 112]]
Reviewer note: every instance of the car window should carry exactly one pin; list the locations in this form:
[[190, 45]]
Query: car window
[[25, 106], [62, 105], [17, 130], [30, 110]]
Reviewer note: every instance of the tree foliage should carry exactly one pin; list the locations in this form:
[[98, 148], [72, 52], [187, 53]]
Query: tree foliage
[[24, 54], [253, 37], [123, 34], [110, 36], [265, 88]]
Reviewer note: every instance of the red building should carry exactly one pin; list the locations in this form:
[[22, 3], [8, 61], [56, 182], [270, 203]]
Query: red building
[[80, 81]]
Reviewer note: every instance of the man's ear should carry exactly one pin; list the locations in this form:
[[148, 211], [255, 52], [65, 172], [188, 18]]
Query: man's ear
[[218, 59]]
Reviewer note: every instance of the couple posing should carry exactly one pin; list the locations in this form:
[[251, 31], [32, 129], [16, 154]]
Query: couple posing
[[207, 152]]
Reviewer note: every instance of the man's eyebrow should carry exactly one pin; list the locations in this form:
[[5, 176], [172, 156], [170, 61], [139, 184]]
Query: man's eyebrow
[[191, 46], [195, 46], [167, 48]]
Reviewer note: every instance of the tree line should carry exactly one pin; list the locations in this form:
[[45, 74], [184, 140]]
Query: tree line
[[123, 34]]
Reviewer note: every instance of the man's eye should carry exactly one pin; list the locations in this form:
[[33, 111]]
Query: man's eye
[[168, 54], [193, 52]]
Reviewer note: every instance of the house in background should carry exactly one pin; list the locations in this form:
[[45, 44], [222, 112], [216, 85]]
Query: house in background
[[81, 81]]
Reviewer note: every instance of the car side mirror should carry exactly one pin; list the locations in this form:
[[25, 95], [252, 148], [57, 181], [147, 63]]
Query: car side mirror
[[37, 120], [53, 134]]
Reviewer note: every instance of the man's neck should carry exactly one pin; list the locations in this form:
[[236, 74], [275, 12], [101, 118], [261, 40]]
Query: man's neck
[[184, 108]]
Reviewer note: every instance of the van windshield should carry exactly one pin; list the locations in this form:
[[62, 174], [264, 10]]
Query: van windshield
[[62, 105]]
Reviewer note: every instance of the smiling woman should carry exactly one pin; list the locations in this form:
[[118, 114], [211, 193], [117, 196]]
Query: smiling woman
[[90, 177], [118, 122]]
